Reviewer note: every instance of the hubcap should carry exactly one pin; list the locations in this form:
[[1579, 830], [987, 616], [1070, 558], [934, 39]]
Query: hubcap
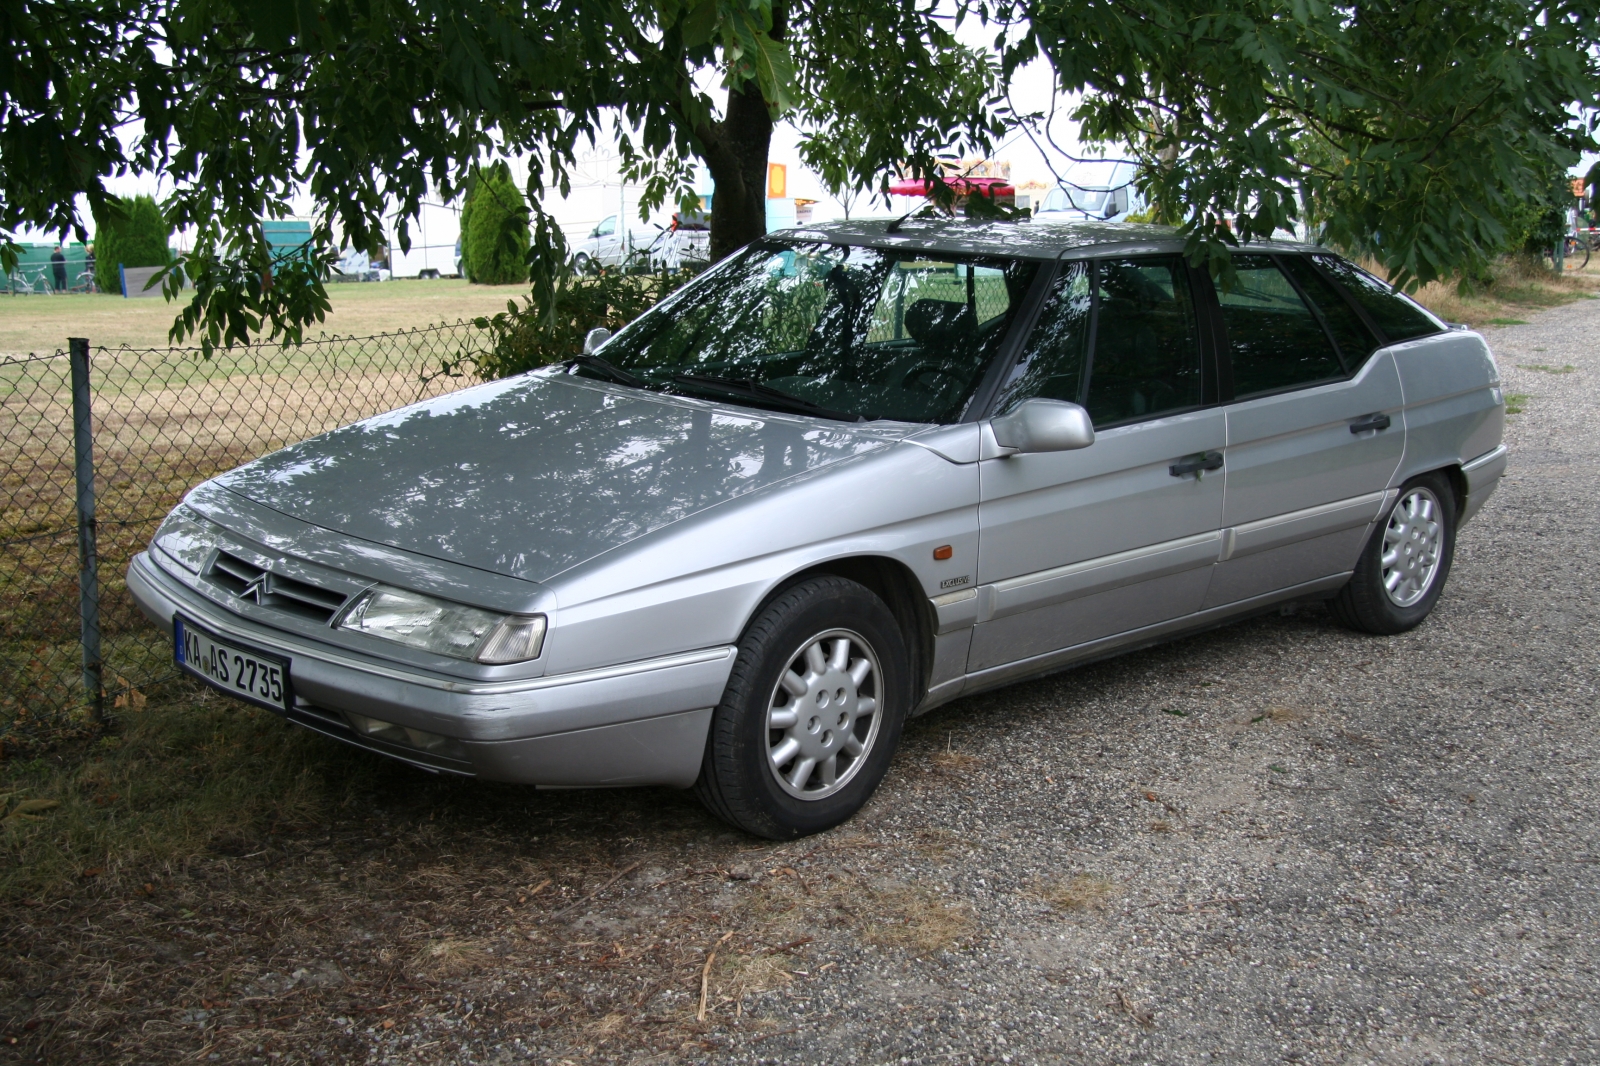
[[1411, 545], [823, 716]]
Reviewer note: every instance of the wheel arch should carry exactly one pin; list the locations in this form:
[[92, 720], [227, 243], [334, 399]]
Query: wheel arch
[[892, 582], [1453, 475]]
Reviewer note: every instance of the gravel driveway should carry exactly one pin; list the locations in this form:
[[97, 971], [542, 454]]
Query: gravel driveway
[[1278, 842]]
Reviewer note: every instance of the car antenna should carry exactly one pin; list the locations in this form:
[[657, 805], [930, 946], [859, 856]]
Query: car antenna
[[894, 227]]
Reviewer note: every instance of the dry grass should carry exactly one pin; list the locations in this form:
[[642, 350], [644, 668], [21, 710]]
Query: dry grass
[[1080, 892], [450, 958], [213, 859], [42, 323], [1520, 286]]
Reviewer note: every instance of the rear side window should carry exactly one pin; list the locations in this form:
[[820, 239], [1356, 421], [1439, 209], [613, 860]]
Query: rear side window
[[1400, 317], [1145, 359], [1355, 340], [1274, 339]]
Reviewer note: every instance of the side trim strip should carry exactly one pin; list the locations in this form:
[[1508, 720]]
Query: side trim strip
[[1303, 524], [1038, 665], [1058, 584]]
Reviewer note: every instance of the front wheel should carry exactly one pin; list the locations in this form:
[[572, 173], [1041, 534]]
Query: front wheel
[[812, 712], [1402, 570]]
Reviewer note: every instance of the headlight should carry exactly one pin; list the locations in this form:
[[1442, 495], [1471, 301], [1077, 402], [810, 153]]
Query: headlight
[[446, 628], [186, 539]]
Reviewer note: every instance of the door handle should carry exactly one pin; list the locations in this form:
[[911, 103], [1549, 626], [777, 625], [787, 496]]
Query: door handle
[[1196, 464], [1372, 422]]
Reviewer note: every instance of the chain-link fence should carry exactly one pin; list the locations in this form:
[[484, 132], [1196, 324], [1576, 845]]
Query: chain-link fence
[[162, 420]]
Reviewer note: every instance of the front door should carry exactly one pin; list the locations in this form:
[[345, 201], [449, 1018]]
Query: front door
[[1076, 546], [1314, 435]]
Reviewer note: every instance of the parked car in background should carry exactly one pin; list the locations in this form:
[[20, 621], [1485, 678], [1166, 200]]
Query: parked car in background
[[1094, 191], [684, 243], [852, 473]]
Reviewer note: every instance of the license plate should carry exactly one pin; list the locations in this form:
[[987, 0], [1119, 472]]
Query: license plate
[[240, 671]]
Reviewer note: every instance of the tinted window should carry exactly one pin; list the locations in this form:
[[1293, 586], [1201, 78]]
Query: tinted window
[[1146, 347], [1354, 339], [860, 332], [1052, 364], [1400, 317], [1274, 339]]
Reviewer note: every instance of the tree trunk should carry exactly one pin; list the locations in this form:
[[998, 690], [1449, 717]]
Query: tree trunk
[[739, 168], [736, 154]]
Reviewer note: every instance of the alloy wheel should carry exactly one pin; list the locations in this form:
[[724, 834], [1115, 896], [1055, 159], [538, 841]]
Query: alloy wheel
[[1411, 546], [823, 714]]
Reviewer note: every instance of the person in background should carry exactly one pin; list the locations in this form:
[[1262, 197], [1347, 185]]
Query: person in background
[[58, 268], [88, 267]]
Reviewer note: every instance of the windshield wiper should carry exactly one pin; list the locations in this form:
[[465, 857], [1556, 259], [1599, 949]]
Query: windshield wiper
[[608, 370], [755, 390]]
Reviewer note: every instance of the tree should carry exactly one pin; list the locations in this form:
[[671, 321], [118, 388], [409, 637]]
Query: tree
[[130, 233], [494, 229], [1414, 131], [370, 103]]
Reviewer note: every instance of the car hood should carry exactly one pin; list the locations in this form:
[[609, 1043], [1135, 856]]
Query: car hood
[[534, 474]]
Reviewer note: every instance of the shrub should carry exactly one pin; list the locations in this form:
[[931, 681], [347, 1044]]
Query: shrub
[[525, 338], [138, 237], [494, 222]]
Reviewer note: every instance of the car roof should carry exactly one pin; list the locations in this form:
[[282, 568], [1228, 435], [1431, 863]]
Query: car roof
[[1030, 239]]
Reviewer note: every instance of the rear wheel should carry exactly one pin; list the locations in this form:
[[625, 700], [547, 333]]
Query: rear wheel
[[812, 712], [1402, 570]]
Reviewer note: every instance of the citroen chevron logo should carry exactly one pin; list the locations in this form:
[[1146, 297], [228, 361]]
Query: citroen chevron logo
[[255, 589]]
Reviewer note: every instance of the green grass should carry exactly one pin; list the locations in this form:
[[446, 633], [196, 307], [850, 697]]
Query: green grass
[[1516, 402], [1544, 369], [175, 777], [1508, 322]]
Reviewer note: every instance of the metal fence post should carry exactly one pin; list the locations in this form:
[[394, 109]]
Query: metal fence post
[[88, 554]]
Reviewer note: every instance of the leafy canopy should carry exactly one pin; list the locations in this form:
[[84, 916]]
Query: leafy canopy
[[371, 104], [1414, 131]]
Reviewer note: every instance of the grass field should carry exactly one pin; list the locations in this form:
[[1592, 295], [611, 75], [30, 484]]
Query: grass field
[[43, 323]]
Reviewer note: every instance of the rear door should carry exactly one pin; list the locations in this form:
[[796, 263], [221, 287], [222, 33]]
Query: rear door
[[1081, 545], [1315, 430]]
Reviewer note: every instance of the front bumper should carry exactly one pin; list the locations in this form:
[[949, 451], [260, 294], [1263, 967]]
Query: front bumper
[[640, 723]]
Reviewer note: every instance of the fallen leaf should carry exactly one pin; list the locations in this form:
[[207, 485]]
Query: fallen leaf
[[94, 871]]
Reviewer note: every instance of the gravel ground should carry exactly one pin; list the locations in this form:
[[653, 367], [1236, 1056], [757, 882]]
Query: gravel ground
[[1278, 842]]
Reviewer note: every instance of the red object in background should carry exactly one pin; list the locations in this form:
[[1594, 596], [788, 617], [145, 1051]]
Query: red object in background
[[990, 187]]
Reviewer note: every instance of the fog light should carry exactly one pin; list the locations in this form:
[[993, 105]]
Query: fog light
[[407, 737]]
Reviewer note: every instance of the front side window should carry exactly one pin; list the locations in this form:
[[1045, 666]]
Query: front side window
[[607, 227], [1400, 317], [1274, 339], [1051, 366], [843, 332], [1145, 357]]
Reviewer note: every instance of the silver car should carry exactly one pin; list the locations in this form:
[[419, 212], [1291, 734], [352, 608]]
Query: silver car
[[847, 475]]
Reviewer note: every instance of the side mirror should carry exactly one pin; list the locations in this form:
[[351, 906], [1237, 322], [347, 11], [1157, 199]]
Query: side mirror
[[594, 339], [1044, 426]]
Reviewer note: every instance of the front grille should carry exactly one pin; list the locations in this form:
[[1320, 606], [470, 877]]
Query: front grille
[[251, 582]]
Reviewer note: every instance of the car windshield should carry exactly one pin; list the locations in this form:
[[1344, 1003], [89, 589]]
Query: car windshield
[[842, 332]]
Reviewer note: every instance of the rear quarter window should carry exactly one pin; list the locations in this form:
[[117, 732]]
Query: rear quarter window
[[1396, 314]]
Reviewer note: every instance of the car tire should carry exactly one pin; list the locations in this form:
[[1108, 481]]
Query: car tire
[[580, 264], [808, 668], [1403, 568]]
